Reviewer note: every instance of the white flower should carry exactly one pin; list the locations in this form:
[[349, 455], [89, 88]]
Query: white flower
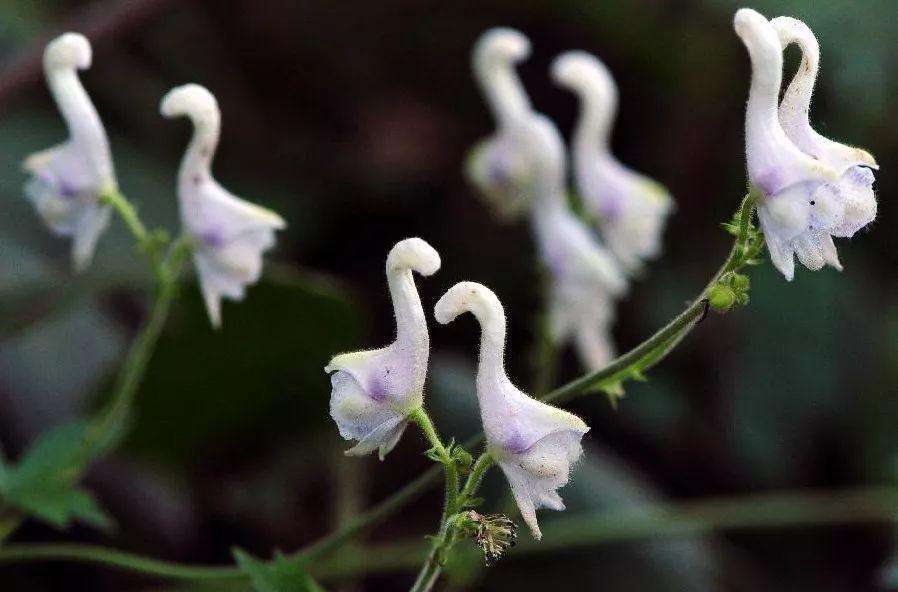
[[535, 444], [374, 391], [810, 191], [584, 277], [630, 208], [229, 234], [68, 180], [496, 166]]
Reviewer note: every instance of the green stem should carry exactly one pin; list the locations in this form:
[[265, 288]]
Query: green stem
[[420, 417], [128, 214], [113, 421], [433, 565], [754, 511], [620, 368], [475, 478], [113, 558]]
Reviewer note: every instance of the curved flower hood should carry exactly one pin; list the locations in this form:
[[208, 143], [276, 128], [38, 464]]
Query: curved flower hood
[[795, 107], [496, 166], [67, 181], [535, 444], [584, 277], [374, 391], [808, 195], [229, 234], [630, 208]]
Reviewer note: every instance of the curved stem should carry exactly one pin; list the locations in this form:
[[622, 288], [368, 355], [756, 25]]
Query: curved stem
[[659, 345], [642, 521], [111, 557], [105, 430]]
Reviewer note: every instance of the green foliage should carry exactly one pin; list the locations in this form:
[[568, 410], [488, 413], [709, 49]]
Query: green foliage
[[41, 483], [278, 575]]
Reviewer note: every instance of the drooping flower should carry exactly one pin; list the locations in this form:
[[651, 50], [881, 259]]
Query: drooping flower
[[374, 391], [807, 194], [68, 181], [496, 166], [630, 208], [584, 277], [536, 445], [229, 234]]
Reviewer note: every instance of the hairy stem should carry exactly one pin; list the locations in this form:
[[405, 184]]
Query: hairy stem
[[432, 566], [478, 470]]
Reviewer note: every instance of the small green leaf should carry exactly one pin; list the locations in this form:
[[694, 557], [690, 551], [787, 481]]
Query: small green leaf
[[60, 506], [279, 575], [462, 458], [434, 455], [730, 228], [42, 485]]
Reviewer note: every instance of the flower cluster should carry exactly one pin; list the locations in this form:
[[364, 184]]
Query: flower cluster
[[73, 184], [375, 392], [522, 168], [809, 188]]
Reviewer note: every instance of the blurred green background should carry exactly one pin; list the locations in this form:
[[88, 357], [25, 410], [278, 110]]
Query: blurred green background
[[352, 119]]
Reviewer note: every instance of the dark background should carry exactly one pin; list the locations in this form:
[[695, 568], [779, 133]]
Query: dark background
[[352, 119]]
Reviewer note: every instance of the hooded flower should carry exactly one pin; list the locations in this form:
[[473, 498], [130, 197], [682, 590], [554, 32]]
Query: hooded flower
[[536, 445], [810, 189], [584, 277], [68, 180], [631, 209], [374, 391], [496, 166], [228, 233]]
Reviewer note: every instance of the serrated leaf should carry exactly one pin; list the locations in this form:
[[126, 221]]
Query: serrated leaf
[[279, 575], [41, 483]]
